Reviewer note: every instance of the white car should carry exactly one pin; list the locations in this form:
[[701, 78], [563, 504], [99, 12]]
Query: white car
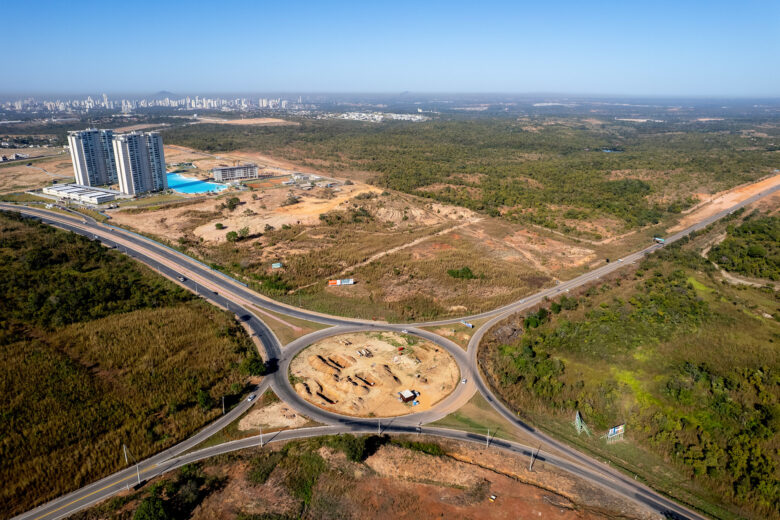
[[404, 331], [181, 278], [463, 381], [251, 398]]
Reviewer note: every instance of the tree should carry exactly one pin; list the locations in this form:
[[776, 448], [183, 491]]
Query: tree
[[231, 236], [204, 400], [243, 232], [219, 225], [151, 508]]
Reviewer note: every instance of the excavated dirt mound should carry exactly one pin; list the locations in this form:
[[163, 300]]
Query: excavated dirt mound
[[362, 374]]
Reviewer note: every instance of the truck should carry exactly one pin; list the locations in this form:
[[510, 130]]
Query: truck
[[659, 240], [467, 324], [347, 281]]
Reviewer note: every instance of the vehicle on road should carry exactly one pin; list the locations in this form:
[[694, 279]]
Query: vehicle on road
[[463, 381], [404, 331], [251, 398], [181, 278]]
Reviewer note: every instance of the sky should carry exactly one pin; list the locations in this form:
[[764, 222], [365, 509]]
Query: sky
[[629, 47]]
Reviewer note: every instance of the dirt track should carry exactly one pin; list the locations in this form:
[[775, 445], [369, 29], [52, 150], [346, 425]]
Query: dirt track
[[724, 200]]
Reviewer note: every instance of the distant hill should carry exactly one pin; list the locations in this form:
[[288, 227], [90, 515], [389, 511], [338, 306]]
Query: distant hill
[[164, 94]]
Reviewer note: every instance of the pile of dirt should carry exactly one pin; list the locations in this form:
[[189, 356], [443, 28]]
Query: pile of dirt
[[275, 415]]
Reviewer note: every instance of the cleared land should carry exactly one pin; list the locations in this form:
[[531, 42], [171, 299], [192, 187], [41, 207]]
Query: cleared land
[[17, 176], [369, 478], [725, 200], [361, 374], [250, 121]]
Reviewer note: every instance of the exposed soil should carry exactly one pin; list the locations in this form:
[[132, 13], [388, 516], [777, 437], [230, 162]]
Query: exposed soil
[[362, 374], [400, 483], [265, 209], [724, 200], [20, 177], [253, 121], [275, 415]]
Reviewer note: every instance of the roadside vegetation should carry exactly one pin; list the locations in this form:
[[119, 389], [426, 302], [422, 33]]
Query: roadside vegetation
[[687, 362], [340, 477], [99, 352], [752, 248]]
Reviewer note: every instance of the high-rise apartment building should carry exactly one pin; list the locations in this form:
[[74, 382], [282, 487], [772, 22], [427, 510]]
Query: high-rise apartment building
[[140, 162], [93, 157]]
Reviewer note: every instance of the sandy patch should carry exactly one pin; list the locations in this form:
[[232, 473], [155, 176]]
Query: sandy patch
[[544, 254], [276, 415], [724, 200], [361, 374], [264, 209], [18, 176], [258, 121]]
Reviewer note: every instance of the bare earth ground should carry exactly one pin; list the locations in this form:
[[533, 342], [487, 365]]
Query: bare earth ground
[[275, 415], [20, 177], [724, 200], [205, 161], [254, 121], [142, 126], [333, 375], [403, 484], [256, 214]]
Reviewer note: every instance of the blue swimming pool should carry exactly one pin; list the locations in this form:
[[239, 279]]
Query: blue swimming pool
[[184, 184]]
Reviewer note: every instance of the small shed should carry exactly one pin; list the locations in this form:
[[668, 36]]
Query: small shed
[[407, 395]]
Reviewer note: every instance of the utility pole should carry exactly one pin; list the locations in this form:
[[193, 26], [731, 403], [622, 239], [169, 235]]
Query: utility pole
[[487, 439], [137, 469], [533, 458], [261, 436], [126, 462], [379, 427], [223, 405]]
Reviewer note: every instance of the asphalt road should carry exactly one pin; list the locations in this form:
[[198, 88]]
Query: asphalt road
[[236, 297]]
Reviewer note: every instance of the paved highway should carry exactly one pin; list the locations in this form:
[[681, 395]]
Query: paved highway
[[236, 297]]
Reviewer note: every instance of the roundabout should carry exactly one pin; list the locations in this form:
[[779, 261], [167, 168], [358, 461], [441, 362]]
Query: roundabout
[[322, 376]]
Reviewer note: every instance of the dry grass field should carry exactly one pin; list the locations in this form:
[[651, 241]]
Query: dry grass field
[[361, 374], [17, 176]]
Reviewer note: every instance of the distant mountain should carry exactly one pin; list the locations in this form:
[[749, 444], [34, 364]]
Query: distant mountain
[[163, 94]]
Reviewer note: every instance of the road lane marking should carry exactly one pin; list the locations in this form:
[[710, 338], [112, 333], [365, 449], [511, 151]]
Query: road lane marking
[[93, 493]]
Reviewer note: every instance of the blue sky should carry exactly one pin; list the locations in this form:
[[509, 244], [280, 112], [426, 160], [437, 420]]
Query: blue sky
[[632, 47]]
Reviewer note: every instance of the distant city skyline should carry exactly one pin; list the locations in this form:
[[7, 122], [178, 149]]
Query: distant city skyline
[[664, 49]]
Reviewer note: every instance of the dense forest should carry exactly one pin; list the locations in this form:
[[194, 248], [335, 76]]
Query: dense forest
[[551, 172], [752, 248], [84, 334], [688, 363]]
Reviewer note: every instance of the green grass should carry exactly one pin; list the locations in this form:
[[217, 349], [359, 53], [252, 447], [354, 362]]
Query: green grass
[[22, 197], [477, 416]]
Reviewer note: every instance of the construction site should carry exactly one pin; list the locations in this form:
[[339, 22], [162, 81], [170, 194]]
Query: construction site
[[374, 374]]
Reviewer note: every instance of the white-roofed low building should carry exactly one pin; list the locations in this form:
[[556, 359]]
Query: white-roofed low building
[[80, 193]]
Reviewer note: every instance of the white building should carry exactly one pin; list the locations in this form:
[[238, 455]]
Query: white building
[[140, 162], [81, 193], [92, 157], [233, 173]]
